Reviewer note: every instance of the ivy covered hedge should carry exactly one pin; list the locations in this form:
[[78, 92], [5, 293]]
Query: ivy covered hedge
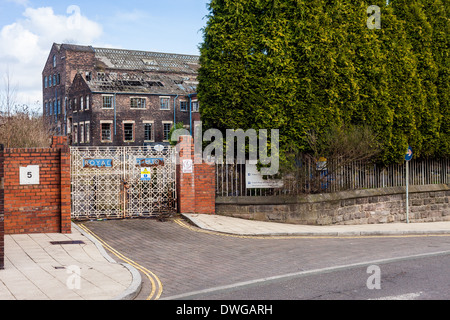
[[306, 65]]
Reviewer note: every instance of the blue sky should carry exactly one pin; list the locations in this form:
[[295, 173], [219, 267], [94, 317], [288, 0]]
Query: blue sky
[[28, 28]]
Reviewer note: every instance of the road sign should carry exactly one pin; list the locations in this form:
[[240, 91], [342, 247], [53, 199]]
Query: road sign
[[408, 157], [409, 154]]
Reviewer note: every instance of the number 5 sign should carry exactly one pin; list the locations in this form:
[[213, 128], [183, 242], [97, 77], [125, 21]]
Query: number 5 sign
[[29, 175]]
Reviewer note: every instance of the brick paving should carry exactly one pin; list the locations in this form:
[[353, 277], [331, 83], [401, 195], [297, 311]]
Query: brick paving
[[186, 261]]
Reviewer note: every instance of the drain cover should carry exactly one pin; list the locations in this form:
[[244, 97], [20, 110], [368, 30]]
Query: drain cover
[[66, 242]]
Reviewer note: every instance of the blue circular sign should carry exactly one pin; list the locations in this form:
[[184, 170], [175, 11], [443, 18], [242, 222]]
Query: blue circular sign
[[409, 154]]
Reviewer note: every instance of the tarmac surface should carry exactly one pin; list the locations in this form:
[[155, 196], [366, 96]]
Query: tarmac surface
[[77, 267]]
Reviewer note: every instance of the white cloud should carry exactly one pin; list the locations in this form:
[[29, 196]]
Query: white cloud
[[26, 43]]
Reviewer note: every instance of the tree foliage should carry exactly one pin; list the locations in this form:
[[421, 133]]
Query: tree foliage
[[305, 66]]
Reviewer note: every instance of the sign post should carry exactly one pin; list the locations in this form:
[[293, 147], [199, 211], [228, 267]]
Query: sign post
[[408, 157]]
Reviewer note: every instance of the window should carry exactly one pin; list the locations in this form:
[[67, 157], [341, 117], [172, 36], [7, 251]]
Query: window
[[75, 106], [138, 103], [54, 79], [88, 133], [54, 61], [45, 82], [49, 81], [165, 103], [107, 102], [195, 106], [58, 79], [128, 131], [69, 125], [106, 131], [183, 106], [81, 103], [59, 106], [87, 102], [166, 130], [55, 108], [81, 133], [148, 131], [75, 133]]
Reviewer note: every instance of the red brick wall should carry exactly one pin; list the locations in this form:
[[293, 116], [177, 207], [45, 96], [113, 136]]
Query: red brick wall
[[196, 190], [43, 208]]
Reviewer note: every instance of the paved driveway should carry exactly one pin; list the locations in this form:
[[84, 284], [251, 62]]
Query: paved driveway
[[185, 259]]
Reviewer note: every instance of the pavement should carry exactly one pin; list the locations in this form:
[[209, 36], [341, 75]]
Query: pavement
[[76, 266], [242, 227]]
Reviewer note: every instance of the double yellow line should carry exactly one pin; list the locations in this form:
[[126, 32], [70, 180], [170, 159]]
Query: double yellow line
[[157, 287]]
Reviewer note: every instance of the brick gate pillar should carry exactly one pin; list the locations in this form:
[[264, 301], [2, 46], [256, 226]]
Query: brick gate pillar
[[61, 143], [196, 185], [2, 212]]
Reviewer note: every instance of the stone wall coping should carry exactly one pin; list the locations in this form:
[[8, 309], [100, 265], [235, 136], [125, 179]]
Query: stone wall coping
[[343, 195]]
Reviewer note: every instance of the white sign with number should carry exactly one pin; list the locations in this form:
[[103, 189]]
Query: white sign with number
[[29, 175]]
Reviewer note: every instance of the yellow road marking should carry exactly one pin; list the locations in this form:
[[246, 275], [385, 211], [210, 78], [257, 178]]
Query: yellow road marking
[[183, 224], [156, 283]]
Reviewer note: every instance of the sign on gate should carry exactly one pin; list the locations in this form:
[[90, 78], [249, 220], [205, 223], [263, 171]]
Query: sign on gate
[[121, 182], [97, 163], [254, 178], [145, 174], [150, 162]]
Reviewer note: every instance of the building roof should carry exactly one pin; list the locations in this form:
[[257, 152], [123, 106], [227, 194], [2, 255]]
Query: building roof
[[143, 83], [147, 61], [121, 59], [143, 72]]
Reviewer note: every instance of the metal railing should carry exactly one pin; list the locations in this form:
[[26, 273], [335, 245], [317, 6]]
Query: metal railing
[[334, 176]]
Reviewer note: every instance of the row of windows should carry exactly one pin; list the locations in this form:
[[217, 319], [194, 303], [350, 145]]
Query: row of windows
[[84, 104], [54, 107], [52, 80], [82, 134], [141, 103]]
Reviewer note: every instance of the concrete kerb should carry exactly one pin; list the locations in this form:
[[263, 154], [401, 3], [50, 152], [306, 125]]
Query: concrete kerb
[[136, 284], [324, 233]]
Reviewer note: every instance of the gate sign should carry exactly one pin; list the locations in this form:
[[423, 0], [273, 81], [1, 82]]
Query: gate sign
[[149, 162], [145, 174], [97, 163], [409, 154]]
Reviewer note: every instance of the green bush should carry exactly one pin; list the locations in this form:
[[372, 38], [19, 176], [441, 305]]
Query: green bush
[[304, 66]]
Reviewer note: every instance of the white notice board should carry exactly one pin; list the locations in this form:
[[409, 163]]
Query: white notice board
[[254, 178]]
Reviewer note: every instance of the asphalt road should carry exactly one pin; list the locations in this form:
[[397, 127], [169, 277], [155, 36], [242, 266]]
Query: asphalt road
[[425, 278], [185, 263]]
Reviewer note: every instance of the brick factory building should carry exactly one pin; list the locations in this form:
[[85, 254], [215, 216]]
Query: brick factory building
[[115, 97]]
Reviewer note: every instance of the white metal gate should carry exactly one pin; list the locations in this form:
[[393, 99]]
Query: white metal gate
[[122, 182]]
